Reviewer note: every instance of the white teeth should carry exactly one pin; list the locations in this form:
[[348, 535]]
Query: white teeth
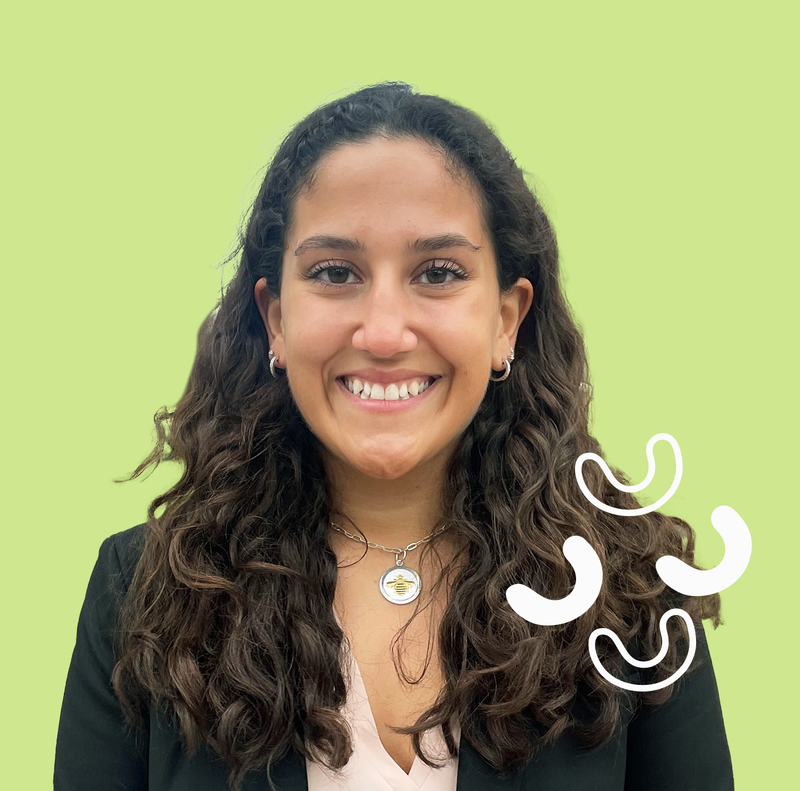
[[390, 392]]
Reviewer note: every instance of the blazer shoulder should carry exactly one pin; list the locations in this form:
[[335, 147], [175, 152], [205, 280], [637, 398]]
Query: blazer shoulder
[[126, 546]]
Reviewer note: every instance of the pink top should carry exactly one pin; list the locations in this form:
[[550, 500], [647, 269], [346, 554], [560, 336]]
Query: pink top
[[370, 767]]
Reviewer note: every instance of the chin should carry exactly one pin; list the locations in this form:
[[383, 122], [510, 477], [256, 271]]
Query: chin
[[381, 458], [386, 469]]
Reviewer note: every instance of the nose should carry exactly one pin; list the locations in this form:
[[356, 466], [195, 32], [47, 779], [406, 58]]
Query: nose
[[383, 315]]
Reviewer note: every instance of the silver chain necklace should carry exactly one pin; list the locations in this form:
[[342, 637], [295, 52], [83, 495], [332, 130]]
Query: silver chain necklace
[[398, 584]]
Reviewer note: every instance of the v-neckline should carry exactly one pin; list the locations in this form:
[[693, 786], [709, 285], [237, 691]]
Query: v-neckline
[[419, 772]]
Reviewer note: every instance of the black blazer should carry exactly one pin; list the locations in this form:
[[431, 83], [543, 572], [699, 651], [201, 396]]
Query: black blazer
[[680, 746]]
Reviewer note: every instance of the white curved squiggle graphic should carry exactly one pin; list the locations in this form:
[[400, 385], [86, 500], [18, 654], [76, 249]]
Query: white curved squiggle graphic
[[662, 626], [651, 471], [553, 612], [674, 572], [701, 582]]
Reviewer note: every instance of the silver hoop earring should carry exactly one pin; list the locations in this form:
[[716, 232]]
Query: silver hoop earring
[[272, 360], [507, 364]]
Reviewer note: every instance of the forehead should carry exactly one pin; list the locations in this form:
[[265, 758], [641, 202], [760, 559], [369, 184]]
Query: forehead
[[400, 187]]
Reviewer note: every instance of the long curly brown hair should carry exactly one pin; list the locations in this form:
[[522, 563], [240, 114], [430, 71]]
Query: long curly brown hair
[[228, 623]]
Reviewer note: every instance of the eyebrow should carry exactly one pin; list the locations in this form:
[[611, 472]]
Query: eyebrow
[[426, 244]]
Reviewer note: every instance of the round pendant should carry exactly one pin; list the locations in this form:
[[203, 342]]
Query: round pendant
[[400, 585]]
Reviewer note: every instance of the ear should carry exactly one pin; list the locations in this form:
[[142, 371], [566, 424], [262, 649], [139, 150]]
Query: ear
[[270, 309], [514, 306]]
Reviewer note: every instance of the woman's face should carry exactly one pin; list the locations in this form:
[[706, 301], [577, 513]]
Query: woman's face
[[363, 306]]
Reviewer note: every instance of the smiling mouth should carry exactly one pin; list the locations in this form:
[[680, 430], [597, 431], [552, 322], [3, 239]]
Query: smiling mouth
[[397, 397]]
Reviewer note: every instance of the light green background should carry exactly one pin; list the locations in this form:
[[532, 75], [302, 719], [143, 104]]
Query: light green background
[[661, 139]]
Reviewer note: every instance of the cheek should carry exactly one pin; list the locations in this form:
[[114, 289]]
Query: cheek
[[317, 338], [463, 338]]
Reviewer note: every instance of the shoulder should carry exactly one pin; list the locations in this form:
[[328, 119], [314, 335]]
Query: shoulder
[[120, 552], [110, 579]]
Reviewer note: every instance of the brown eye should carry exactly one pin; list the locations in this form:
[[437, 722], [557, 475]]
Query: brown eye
[[439, 275], [336, 272], [448, 267]]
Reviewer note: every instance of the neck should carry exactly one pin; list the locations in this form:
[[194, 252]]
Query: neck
[[394, 512]]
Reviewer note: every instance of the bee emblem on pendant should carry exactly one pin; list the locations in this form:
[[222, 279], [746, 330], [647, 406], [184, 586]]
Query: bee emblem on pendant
[[400, 585]]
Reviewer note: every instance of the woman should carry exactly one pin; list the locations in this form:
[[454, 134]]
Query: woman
[[385, 410]]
